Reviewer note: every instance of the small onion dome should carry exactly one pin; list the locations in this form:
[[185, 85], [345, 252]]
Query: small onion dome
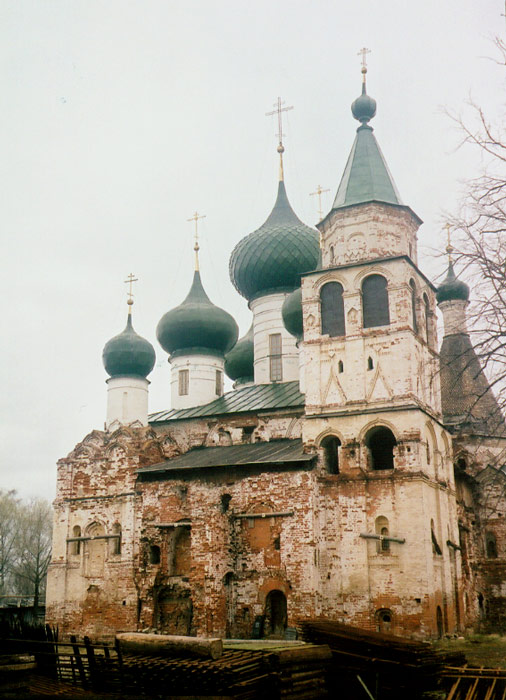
[[364, 107], [272, 258], [291, 312], [452, 288], [239, 361], [197, 325], [128, 354]]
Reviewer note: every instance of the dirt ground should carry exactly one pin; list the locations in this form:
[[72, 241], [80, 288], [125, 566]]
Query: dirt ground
[[487, 650]]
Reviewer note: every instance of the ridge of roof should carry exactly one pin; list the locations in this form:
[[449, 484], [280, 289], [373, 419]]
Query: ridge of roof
[[259, 397]]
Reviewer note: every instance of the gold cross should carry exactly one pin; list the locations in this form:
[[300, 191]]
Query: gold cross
[[363, 52], [196, 246], [449, 247], [279, 109], [130, 280], [319, 192]]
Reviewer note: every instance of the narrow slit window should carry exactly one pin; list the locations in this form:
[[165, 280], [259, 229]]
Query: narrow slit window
[[219, 383], [340, 367], [184, 382], [413, 304], [275, 358], [370, 363]]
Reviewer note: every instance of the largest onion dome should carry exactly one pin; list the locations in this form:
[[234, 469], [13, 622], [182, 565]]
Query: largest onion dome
[[128, 354], [452, 288], [239, 361], [197, 325], [272, 258]]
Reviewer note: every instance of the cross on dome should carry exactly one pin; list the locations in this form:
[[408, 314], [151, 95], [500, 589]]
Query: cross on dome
[[281, 149], [196, 216]]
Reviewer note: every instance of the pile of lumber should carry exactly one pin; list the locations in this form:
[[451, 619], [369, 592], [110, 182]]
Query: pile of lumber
[[475, 683], [301, 672], [150, 664], [387, 665]]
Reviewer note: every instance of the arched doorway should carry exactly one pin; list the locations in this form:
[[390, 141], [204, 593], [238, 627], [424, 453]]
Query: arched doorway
[[384, 620], [275, 614], [439, 622]]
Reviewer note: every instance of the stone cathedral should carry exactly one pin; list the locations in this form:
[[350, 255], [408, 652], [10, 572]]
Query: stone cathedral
[[353, 473]]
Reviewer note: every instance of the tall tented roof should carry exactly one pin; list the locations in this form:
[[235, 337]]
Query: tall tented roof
[[366, 177], [197, 324], [273, 257], [466, 396]]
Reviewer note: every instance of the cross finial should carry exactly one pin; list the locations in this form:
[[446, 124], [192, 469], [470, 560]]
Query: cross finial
[[196, 216], [319, 192], [281, 149], [363, 52], [130, 280], [449, 247]]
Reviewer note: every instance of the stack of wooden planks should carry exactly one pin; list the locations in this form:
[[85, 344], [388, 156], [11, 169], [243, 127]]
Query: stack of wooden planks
[[475, 683], [379, 665]]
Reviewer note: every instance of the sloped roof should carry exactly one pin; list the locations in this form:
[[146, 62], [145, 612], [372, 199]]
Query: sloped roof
[[466, 396], [366, 177], [273, 452], [259, 397]]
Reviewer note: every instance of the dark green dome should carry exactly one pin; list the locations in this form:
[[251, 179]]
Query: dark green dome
[[128, 354], [452, 288], [291, 312], [272, 258], [364, 107], [197, 325], [239, 361]]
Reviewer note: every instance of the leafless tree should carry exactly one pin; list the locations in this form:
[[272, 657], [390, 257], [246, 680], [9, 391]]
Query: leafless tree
[[480, 241], [9, 510], [33, 548]]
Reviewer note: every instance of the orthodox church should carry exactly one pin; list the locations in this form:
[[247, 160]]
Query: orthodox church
[[352, 473]]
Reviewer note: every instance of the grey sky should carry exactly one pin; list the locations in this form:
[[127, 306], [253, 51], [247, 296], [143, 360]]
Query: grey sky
[[120, 118]]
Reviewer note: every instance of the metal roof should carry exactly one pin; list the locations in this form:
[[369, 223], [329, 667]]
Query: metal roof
[[259, 397], [273, 452]]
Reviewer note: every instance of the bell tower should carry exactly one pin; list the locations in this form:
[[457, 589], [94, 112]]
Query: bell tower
[[373, 400]]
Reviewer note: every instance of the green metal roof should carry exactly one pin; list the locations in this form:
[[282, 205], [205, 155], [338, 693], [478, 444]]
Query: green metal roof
[[273, 257], [128, 354], [259, 397], [452, 287], [366, 177], [197, 324], [239, 361], [258, 453]]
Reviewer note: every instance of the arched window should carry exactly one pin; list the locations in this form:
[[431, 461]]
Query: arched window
[[154, 554], [182, 552], [381, 442], [331, 254], [426, 306], [491, 545], [382, 529], [413, 304], [76, 546], [384, 620], [340, 367], [375, 310], [436, 549], [116, 541], [332, 309], [370, 364], [331, 445]]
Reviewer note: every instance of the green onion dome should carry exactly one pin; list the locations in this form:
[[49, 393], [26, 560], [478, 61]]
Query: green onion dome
[[128, 354], [272, 258], [452, 288], [239, 361], [197, 325], [291, 311], [364, 107]]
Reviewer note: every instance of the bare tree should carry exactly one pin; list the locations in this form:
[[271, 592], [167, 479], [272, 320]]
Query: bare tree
[[33, 548], [480, 241], [9, 511]]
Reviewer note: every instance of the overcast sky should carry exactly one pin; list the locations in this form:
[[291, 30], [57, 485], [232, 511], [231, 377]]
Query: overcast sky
[[120, 118]]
